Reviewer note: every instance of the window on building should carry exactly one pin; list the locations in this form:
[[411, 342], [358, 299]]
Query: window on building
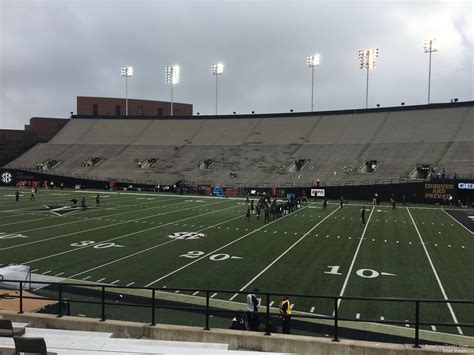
[[140, 111], [177, 112], [117, 110], [95, 109], [160, 112]]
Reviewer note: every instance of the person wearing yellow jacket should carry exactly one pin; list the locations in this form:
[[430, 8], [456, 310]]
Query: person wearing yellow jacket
[[285, 311]]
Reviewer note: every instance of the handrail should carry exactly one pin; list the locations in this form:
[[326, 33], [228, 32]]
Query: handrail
[[207, 308]]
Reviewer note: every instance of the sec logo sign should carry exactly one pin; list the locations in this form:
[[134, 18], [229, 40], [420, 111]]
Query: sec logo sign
[[186, 235], [7, 178]]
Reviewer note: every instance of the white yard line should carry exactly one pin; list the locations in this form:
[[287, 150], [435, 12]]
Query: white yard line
[[102, 227], [124, 236], [96, 218], [462, 225], [148, 249], [343, 289], [453, 315], [284, 253], [220, 248]]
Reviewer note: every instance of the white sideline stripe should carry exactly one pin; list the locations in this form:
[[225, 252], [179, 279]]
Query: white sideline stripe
[[101, 227], [343, 289], [222, 247], [59, 274], [130, 284], [87, 278], [462, 225], [284, 253], [214, 295], [155, 246], [127, 235], [102, 279], [453, 315], [46, 272], [312, 309], [113, 283], [34, 270], [195, 293]]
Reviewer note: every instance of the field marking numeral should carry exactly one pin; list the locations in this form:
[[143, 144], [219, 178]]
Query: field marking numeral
[[334, 270], [194, 254], [365, 273], [85, 243], [11, 235]]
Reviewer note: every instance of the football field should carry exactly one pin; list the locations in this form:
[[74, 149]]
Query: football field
[[168, 241]]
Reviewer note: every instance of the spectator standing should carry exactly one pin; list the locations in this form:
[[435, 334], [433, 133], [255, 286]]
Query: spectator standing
[[253, 318], [285, 311]]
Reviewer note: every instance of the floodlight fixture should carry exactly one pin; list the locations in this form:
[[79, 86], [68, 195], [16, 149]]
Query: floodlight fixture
[[216, 70], [368, 60], [126, 72], [172, 73], [312, 61], [429, 47]]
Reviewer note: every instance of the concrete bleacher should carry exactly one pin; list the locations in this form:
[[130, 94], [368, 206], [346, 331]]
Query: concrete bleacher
[[95, 343], [260, 149]]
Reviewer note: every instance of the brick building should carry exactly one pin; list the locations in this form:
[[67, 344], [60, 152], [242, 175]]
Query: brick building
[[110, 106], [43, 127]]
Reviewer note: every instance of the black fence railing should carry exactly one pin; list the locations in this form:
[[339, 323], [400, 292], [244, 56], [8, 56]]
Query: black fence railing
[[206, 309]]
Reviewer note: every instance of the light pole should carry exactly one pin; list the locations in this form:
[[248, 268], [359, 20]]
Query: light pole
[[172, 77], [126, 72], [429, 47], [368, 60], [312, 61], [216, 70]]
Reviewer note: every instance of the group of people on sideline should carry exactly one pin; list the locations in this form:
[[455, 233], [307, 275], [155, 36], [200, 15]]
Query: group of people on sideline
[[253, 316]]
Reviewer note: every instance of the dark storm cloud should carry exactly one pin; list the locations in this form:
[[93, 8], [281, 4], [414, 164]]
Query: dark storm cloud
[[53, 51]]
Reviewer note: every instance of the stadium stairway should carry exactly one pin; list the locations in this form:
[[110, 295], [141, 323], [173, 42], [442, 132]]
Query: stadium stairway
[[96, 343]]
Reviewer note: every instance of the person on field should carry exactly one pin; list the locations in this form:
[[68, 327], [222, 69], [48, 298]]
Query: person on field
[[325, 203], [392, 201], [83, 204], [252, 209], [362, 215], [285, 312], [267, 214], [17, 195], [74, 203], [33, 194], [97, 200], [247, 215], [253, 302], [341, 201]]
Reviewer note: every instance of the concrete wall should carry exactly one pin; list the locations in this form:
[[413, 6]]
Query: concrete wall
[[237, 340]]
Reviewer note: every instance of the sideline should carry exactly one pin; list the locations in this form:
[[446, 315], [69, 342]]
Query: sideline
[[453, 315]]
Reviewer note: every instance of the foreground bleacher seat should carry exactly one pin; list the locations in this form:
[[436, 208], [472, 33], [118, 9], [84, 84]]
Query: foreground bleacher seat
[[30, 346], [7, 329]]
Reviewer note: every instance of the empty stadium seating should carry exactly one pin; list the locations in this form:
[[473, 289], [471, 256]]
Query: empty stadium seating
[[258, 151]]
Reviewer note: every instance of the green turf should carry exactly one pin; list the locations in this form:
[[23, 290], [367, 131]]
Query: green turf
[[125, 241]]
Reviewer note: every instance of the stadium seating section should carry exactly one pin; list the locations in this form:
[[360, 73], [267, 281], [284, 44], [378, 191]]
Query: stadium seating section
[[263, 151]]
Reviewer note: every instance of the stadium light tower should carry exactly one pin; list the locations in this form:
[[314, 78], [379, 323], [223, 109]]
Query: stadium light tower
[[172, 77], [216, 70], [368, 60], [312, 61], [126, 72], [429, 46]]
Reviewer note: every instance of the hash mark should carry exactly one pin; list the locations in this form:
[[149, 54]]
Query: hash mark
[[312, 310]]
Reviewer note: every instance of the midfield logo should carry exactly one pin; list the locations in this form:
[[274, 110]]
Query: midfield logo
[[186, 235], [60, 210]]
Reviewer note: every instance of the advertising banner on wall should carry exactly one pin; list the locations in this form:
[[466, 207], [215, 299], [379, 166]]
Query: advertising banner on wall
[[318, 192]]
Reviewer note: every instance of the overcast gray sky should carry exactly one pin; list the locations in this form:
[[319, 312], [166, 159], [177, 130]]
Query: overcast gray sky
[[53, 51]]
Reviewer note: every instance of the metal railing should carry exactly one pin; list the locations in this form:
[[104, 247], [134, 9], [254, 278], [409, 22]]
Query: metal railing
[[207, 309]]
